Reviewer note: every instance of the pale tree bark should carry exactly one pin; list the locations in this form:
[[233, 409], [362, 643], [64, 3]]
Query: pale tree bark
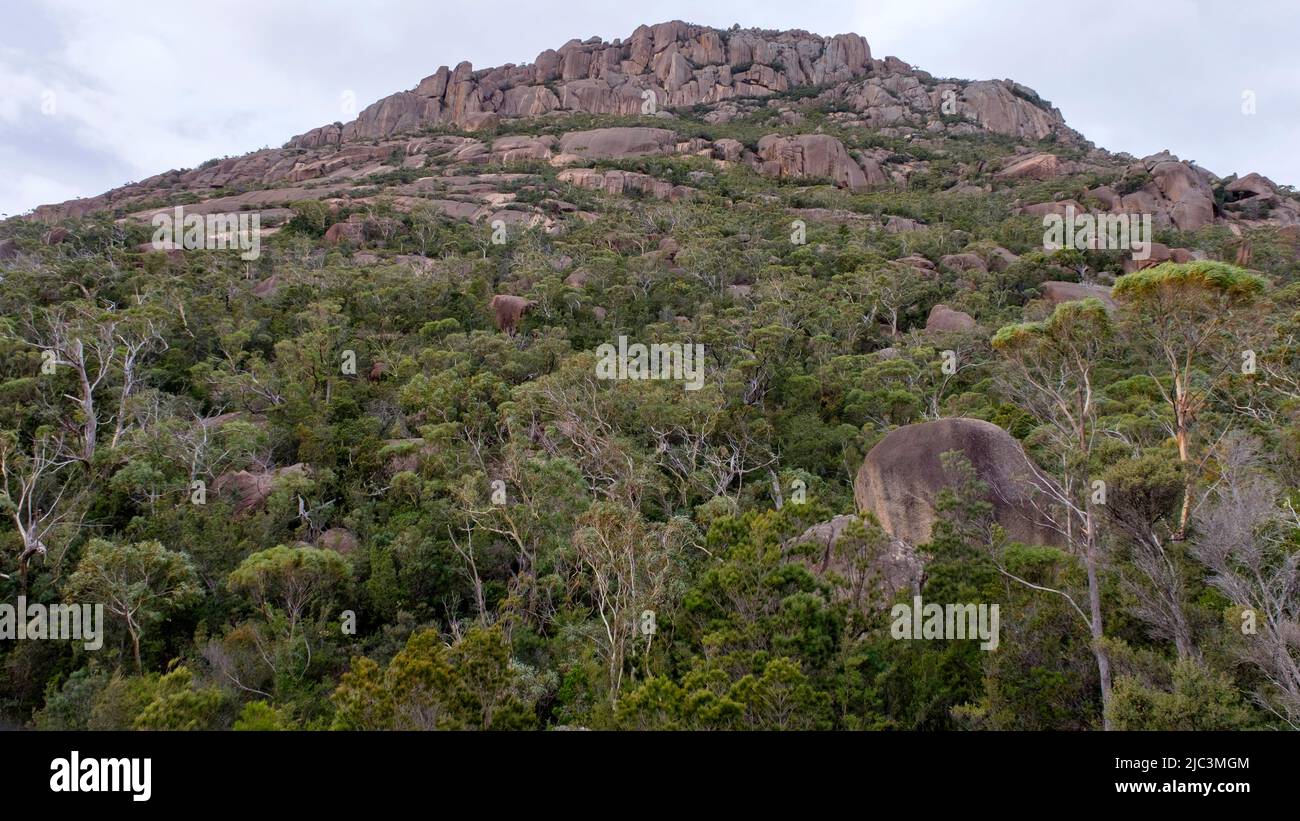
[[39, 498], [1244, 537]]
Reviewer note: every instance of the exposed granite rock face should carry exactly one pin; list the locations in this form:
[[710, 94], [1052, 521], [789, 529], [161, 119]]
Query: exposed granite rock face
[[675, 64], [617, 143], [1006, 107], [902, 476], [895, 93], [732, 74], [666, 65], [1190, 201], [1034, 167]]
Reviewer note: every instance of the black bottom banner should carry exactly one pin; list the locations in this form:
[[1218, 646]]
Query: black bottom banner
[[146, 772]]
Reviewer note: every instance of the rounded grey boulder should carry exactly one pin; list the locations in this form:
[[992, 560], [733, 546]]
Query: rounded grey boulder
[[902, 476]]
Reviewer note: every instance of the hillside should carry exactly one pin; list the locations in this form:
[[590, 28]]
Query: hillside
[[638, 387]]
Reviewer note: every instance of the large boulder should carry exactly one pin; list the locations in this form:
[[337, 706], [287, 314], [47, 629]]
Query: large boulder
[[507, 310], [902, 476], [1251, 185], [943, 319], [617, 143], [902, 225], [248, 491], [964, 262], [996, 105], [344, 232], [1059, 207], [810, 155], [55, 236], [1190, 199]]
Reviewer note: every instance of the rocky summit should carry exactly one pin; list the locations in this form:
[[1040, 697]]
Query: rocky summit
[[676, 73], [701, 379]]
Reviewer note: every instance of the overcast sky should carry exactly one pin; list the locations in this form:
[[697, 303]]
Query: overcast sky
[[97, 93]]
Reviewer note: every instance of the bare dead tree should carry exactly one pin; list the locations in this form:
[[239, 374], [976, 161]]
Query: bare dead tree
[[37, 497], [1244, 536]]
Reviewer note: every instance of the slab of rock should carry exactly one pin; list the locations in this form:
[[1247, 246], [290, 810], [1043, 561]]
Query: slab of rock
[[916, 261], [1033, 167], [617, 143], [901, 478], [902, 225], [1057, 292], [625, 182], [523, 147], [1059, 207]]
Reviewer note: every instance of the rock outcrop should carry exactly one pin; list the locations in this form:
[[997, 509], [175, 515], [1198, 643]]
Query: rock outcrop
[[810, 156], [901, 478], [666, 65], [1056, 292], [1188, 194], [248, 491], [617, 143], [507, 310], [896, 568], [1033, 167], [731, 74], [624, 182]]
